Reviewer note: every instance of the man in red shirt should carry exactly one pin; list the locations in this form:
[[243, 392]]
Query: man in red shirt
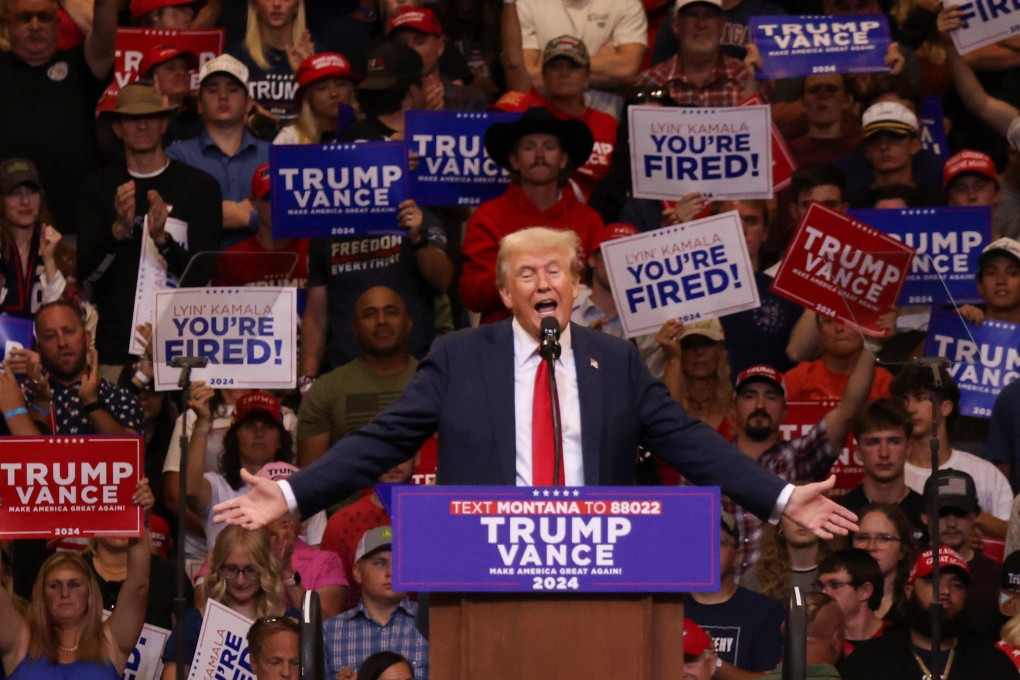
[[540, 151]]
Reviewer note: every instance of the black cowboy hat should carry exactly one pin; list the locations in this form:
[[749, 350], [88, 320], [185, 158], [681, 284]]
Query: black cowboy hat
[[574, 135]]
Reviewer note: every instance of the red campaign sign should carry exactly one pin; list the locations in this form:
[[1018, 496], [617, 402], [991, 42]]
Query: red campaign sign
[[841, 268], [783, 164], [801, 416], [134, 43], [55, 487]]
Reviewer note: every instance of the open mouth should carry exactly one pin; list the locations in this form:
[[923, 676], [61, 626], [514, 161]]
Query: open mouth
[[546, 307]]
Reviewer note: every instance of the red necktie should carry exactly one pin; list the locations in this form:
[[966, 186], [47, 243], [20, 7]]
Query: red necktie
[[543, 452]]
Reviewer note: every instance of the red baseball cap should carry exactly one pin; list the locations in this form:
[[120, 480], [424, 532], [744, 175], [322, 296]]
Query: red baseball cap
[[260, 181], [159, 534], [325, 65], [948, 559], [514, 102], [968, 161], [615, 230], [160, 54], [420, 19], [760, 372], [257, 402], [696, 640], [140, 8]]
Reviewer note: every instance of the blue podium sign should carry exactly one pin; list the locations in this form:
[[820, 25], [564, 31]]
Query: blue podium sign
[[558, 539]]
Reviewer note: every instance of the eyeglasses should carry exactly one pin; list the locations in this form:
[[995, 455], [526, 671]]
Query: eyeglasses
[[822, 89], [881, 540], [24, 191], [42, 17], [231, 571], [833, 584], [650, 94]]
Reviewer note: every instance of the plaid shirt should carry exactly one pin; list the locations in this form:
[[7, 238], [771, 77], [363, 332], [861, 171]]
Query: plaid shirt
[[352, 636], [805, 459], [725, 87]]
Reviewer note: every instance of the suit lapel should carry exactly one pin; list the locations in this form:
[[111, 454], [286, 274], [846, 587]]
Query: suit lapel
[[497, 366], [591, 392]]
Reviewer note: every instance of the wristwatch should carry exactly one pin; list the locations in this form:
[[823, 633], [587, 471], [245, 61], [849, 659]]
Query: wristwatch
[[294, 580]]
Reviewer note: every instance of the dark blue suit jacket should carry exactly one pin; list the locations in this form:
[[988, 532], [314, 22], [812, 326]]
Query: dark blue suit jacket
[[464, 390]]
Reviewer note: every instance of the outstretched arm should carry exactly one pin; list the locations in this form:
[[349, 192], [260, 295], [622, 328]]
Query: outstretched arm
[[808, 507], [257, 508]]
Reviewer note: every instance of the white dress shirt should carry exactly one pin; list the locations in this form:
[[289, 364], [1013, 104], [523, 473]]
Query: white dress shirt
[[526, 362]]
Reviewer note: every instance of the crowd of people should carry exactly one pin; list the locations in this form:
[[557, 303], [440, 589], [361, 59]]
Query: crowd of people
[[176, 163]]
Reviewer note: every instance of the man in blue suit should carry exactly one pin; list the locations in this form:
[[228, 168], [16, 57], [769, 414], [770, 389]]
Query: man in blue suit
[[476, 389]]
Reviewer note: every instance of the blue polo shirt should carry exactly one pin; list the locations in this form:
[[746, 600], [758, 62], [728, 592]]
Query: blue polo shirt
[[232, 172]]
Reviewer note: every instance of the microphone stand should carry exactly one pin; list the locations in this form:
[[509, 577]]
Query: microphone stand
[[550, 351], [936, 364], [180, 601]]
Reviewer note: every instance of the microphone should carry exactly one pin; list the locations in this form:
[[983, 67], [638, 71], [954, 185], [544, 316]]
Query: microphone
[[189, 362], [186, 364], [550, 348]]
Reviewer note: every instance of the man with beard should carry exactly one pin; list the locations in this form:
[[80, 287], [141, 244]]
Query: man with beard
[[349, 396], [958, 511], [83, 402], [907, 652], [759, 407]]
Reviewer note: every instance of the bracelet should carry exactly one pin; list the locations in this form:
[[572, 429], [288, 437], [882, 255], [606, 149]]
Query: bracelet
[[40, 409], [20, 411], [88, 409], [141, 377]]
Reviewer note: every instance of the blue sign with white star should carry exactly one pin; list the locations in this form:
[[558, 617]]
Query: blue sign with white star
[[555, 539]]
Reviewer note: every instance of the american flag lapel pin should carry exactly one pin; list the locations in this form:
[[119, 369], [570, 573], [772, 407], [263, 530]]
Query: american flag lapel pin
[[594, 364]]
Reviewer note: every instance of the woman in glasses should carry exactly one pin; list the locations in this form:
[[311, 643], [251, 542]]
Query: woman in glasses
[[886, 533], [243, 575]]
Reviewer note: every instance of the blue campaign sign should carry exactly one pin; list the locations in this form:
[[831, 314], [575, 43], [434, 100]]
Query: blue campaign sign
[[337, 189], [561, 539], [809, 45], [933, 126], [453, 166], [15, 333], [948, 242], [983, 359]]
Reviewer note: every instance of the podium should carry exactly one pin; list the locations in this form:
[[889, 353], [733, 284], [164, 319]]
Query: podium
[[547, 637], [548, 583]]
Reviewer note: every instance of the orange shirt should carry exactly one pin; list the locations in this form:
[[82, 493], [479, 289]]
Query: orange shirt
[[812, 381]]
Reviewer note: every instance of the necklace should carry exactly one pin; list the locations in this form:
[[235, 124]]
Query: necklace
[[69, 650], [924, 669]]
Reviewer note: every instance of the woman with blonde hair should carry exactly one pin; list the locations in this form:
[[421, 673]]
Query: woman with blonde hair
[[325, 83], [244, 576], [63, 633], [276, 41]]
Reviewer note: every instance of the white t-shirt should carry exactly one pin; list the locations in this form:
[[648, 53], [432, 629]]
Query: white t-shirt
[[595, 22], [994, 493], [195, 546]]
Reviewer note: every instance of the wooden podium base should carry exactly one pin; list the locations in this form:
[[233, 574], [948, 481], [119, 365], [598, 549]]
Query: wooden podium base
[[552, 637]]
